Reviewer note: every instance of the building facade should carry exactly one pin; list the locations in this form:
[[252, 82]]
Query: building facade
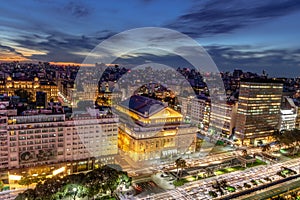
[[288, 114], [155, 131], [297, 123], [43, 139], [199, 112], [223, 118], [258, 111], [9, 86]]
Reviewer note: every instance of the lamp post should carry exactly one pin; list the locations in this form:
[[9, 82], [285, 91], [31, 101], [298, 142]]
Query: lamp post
[[75, 193]]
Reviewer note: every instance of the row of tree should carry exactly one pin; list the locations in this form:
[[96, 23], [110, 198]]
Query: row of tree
[[101, 181], [289, 139]]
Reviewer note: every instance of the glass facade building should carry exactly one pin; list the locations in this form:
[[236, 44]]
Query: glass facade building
[[258, 111]]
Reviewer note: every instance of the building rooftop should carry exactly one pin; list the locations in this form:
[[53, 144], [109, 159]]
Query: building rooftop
[[143, 106], [22, 79], [260, 80], [47, 83]]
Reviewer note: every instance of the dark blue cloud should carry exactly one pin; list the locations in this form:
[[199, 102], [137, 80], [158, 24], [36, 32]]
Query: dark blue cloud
[[216, 17], [78, 9], [278, 63]]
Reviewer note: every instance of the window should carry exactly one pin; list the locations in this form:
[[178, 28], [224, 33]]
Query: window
[[13, 159]]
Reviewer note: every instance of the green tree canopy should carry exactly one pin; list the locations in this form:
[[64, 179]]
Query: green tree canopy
[[98, 181]]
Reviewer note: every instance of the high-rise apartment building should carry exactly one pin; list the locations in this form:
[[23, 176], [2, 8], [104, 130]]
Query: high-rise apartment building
[[223, 118], [258, 110], [199, 111], [47, 138]]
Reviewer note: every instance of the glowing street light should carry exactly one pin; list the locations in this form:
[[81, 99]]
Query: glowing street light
[[75, 193]]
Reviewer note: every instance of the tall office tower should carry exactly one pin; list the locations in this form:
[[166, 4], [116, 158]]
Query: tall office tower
[[258, 110]]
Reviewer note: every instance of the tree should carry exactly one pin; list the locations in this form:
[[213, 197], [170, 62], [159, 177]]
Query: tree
[[223, 183], [111, 178], [217, 185], [1, 185], [290, 139], [98, 181], [180, 163], [27, 194], [209, 171], [25, 181], [266, 148], [244, 153]]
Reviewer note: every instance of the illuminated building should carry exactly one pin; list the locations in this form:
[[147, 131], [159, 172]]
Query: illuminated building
[[185, 105], [200, 112], [287, 119], [108, 98], [297, 121], [223, 118], [87, 91], [258, 110], [10, 86], [151, 130], [288, 114], [197, 108], [49, 138]]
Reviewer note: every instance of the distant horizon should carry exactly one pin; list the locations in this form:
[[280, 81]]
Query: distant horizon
[[130, 67]]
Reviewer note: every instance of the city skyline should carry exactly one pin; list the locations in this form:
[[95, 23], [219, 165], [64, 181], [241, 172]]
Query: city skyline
[[251, 36], [149, 99]]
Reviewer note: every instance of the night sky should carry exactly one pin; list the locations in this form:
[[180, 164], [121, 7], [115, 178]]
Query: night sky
[[249, 35]]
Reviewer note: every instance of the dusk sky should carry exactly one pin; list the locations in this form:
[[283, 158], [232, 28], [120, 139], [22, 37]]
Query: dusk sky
[[249, 35]]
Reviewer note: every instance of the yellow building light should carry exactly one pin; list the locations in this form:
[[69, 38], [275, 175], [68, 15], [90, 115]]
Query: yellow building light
[[169, 133], [14, 177], [58, 171]]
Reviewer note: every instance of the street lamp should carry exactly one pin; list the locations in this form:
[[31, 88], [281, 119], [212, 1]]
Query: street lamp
[[75, 193]]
